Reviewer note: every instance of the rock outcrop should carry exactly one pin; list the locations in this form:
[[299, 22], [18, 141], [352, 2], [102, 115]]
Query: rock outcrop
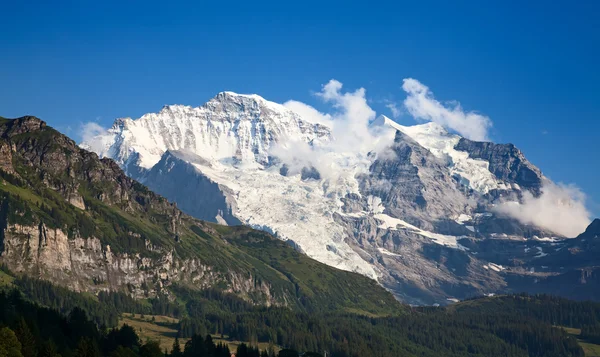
[[506, 162], [72, 218]]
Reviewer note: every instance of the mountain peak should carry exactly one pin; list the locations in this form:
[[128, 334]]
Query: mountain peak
[[175, 108], [426, 129], [25, 124], [229, 101], [594, 227]]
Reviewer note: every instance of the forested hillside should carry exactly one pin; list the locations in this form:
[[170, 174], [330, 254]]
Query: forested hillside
[[516, 325], [79, 221]]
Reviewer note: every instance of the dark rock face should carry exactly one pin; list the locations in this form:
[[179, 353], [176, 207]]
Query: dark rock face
[[507, 163], [580, 252], [310, 173], [414, 184], [577, 284], [194, 193], [63, 166], [400, 172], [6, 157], [592, 231], [80, 222], [22, 125]]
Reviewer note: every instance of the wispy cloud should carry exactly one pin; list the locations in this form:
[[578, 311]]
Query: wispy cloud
[[348, 119], [560, 208], [393, 107], [88, 133], [309, 113], [422, 105]]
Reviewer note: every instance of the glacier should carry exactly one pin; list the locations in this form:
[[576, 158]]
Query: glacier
[[383, 210]]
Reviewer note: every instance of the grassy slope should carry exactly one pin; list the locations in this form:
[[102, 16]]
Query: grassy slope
[[328, 285], [590, 349], [312, 285], [5, 279], [164, 329]]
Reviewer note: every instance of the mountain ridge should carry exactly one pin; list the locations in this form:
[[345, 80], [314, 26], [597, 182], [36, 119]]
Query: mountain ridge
[[385, 213], [79, 221]]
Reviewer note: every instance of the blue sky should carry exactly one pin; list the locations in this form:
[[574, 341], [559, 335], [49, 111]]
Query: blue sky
[[531, 68]]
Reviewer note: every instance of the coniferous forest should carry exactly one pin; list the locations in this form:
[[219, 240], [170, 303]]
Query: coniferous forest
[[40, 319]]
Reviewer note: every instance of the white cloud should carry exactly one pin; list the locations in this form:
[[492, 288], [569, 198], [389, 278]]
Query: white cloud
[[309, 113], [88, 132], [393, 107], [560, 209], [422, 105], [352, 138]]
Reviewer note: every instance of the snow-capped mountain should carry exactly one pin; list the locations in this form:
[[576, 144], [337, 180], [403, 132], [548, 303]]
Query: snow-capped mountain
[[414, 211]]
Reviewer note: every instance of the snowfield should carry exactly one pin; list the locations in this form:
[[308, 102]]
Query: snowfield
[[238, 141]]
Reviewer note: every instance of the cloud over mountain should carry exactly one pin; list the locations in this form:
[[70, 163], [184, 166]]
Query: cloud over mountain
[[560, 208], [422, 105]]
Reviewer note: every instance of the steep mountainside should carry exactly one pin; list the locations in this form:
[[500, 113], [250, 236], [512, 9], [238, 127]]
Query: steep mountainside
[[79, 221], [418, 215]]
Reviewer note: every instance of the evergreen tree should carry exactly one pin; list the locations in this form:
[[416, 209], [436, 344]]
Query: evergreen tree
[[288, 353], [49, 349], [28, 343], [176, 350], [121, 351], [87, 348], [151, 349], [9, 344]]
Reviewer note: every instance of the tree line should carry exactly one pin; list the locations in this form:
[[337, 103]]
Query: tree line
[[515, 325]]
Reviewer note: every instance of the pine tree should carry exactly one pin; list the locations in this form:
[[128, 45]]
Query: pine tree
[[28, 344], [49, 349], [176, 350], [9, 344], [87, 348]]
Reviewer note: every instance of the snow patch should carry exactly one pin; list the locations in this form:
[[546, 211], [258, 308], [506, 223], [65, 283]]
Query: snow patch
[[387, 252], [494, 267], [540, 253], [391, 223]]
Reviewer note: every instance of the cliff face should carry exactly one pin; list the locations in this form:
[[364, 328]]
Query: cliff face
[[59, 174], [76, 220], [506, 162], [88, 265]]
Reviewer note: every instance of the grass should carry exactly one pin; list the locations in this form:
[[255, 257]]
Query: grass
[[590, 349], [294, 279], [21, 192], [164, 329], [5, 279]]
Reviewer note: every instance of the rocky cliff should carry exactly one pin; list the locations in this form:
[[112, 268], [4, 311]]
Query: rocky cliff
[[416, 212], [79, 221]]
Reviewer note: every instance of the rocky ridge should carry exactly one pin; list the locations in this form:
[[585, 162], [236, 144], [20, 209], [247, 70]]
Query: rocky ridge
[[79, 221], [415, 217]]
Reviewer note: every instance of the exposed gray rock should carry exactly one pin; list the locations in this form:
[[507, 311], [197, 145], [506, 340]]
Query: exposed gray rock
[[415, 185], [310, 173], [194, 193], [507, 163]]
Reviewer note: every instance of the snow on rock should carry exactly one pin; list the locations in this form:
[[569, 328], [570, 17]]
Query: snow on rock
[[548, 239], [387, 252], [230, 125], [234, 141], [474, 173], [494, 267], [540, 253], [462, 218], [441, 239], [292, 208]]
